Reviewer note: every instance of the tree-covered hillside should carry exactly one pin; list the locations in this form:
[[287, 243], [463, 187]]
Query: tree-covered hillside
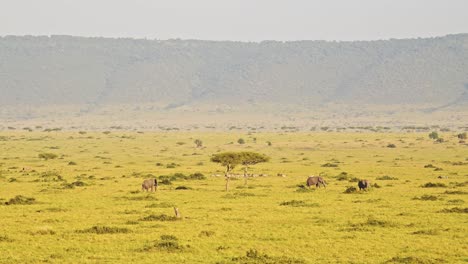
[[65, 70]]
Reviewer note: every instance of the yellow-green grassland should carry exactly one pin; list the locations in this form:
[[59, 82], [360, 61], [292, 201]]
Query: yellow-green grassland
[[75, 197]]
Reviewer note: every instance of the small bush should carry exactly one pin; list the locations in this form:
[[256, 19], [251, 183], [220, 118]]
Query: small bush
[[455, 210], [241, 141], [304, 189], [426, 232], [21, 200], [161, 217], [253, 256], [386, 178], [105, 230], [160, 205], [167, 243], [391, 146], [342, 176], [74, 184], [47, 156], [375, 185], [429, 166], [433, 185], [4, 238], [433, 135], [71, 163], [351, 189], [183, 188], [172, 165], [456, 192], [197, 176], [206, 233], [296, 203], [330, 165], [415, 260], [426, 197]]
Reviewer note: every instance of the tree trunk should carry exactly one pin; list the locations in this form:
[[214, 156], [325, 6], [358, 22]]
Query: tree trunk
[[227, 183], [245, 176], [176, 211], [227, 177]]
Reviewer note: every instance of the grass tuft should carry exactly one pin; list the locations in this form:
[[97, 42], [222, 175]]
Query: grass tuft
[[455, 210], [105, 230], [161, 217], [433, 185], [21, 200]]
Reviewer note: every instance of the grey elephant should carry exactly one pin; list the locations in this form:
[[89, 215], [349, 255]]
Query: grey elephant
[[363, 184], [316, 180], [149, 184]]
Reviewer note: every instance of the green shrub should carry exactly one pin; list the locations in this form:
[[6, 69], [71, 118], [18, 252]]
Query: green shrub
[[455, 210], [47, 156], [433, 185], [386, 178], [21, 200], [350, 189], [105, 230], [433, 135], [161, 217]]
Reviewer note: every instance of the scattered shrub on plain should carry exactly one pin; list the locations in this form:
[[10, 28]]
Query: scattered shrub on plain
[[105, 230], [252, 256], [168, 243], [205, 233], [21, 200], [386, 178], [161, 217], [183, 188], [426, 197], [351, 189], [433, 185], [47, 156], [455, 210]]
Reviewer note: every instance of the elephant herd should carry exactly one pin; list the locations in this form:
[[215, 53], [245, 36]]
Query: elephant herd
[[152, 184], [317, 181]]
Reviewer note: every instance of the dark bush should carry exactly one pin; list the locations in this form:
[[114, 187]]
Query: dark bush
[[350, 189], [252, 256], [21, 200], [433, 185], [386, 178], [105, 230], [426, 197], [330, 165], [47, 156], [455, 210], [183, 188], [197, 176], [161, 217]]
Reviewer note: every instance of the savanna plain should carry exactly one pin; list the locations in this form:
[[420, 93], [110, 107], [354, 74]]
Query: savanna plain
[[75, 197]]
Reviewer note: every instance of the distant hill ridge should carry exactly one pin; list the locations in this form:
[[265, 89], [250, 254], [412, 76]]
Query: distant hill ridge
[[66, 70]]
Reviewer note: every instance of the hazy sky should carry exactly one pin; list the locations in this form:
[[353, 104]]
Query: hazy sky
[[246, 20]]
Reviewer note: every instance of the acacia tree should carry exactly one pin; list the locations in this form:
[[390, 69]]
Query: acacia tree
[[198, 143], [231, 159], [251, 158]]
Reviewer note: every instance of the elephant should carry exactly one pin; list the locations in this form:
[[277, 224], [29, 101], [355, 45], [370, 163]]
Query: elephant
[[316, 180], [149, 184], [364, 184]]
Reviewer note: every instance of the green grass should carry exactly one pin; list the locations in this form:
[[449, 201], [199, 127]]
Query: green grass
[[95, 211]]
